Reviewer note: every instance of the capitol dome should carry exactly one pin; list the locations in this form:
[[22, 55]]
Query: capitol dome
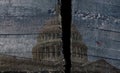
[[78, 48], [49, 43]]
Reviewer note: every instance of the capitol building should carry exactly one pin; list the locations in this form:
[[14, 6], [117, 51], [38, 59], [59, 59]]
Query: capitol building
[[47, 56]]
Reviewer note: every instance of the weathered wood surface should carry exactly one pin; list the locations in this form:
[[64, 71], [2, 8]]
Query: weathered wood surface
[[20, 23], [99, 24]]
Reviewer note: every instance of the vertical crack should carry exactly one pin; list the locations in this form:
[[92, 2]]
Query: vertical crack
[[66, 25]]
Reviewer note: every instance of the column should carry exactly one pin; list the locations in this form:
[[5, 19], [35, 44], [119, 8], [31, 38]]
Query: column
[[42, 36], [46, 36], [50, 48], [83, 53], [71, 51], [45, 55], [79, 51], [42, 52], [36, 52], [75, 51], [47, 52], [75, 36], [51, 36], [58, 51], [55, 51], [58, 36]]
